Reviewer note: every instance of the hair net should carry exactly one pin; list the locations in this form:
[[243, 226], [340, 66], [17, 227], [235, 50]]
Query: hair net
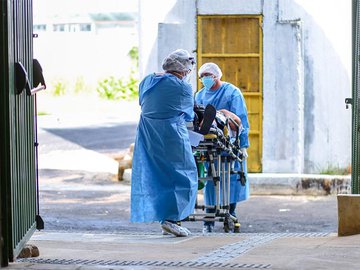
[[179, 60], [210, 68]]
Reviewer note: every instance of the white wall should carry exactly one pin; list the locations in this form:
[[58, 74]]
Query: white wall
[[326, 43], [283, 92], [306, 72], [327, 83], [172, 27]]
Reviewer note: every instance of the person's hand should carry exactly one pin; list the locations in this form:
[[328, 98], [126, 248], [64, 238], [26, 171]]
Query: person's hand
[[244, 152], [234, 117]]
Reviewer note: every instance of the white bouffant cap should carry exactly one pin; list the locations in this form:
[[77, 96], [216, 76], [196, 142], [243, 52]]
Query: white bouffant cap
[[211, 68], [179, 60]]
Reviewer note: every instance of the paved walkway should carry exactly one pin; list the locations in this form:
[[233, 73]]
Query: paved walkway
[[62, 250], [84, 251]]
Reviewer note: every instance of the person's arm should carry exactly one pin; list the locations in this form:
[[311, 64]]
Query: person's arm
[[188, 103], [232, 116], [238, 106]]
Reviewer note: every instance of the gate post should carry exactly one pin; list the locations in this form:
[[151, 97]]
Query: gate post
[[17, 150], [355, 101], [1, 238], [4, 78]]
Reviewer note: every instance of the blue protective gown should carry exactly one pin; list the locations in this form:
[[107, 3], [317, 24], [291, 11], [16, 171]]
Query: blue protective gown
[[228, 97], [164, 174]]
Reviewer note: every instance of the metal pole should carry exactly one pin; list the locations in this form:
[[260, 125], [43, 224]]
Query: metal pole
[[355, 101], [228, 182], [217, 188], [223, 179], [1, 235], [38, 219]]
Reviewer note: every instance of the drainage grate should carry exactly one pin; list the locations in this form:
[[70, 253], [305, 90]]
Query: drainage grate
[[188, 264], [252, 241]]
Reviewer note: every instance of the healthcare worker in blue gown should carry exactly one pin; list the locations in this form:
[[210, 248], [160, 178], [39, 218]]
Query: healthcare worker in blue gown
[[227, 98], [164, 174]]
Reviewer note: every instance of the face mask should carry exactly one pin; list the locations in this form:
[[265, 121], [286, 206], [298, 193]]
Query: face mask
[[208, 81]]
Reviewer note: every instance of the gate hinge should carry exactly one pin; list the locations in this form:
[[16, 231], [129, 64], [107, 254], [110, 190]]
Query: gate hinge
[[348, 101]]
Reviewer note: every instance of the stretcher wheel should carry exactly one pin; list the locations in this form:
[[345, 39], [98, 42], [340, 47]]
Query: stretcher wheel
[[228, 225], [226, 228], [236, 227]]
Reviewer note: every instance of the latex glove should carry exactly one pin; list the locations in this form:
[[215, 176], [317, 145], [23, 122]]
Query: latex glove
[[245, 154]]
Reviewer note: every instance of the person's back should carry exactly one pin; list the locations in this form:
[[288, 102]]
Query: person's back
[[164, 174], [169, 96]]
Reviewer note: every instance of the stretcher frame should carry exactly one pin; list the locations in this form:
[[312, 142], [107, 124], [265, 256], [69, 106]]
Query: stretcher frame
[[218, 146]]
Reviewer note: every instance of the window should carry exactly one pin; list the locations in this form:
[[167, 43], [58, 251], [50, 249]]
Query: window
[[39, 27]]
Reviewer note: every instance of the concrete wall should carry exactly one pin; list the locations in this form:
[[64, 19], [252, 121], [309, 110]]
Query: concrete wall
[[171, 27], [306, 72]]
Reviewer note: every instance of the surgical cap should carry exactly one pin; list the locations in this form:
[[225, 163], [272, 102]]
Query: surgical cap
[[179, 60], [211, 68]]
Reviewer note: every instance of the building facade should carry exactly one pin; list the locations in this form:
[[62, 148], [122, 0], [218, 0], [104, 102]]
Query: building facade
[[290, 58]]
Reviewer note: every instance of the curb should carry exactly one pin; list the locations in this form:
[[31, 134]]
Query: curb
[[292, 184], [299, 184]]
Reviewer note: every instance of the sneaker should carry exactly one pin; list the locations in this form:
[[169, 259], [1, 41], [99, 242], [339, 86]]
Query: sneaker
[[208, 228], [187, 230], [174, 229], [179, 224], [209, 117]]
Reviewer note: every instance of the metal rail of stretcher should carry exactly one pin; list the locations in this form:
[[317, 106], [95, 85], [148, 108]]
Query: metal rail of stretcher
[[218, 147]]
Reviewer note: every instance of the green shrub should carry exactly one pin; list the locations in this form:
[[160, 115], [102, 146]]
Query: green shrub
[[336, 170], [121, 88], [134, 56], [59, 88], [42, 113], [80, 85], [112, 88]]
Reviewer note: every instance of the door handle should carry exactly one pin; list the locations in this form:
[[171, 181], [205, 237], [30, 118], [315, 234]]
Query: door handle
[[21, 78], [348, 101], [38, 77]]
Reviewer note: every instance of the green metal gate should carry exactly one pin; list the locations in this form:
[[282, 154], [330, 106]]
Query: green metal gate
[[355, 101], [18, 184]]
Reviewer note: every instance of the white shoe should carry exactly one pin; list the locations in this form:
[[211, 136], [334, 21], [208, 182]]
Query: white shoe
[[187, 230], [174, 229]]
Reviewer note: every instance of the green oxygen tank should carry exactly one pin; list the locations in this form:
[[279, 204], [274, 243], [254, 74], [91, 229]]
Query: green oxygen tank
[[202, 173]]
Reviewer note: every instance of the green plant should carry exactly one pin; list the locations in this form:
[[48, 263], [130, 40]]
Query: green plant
[[121, 88], [59, 87], [134, 56], [79, 85], [336, 170], [40, 113], [108, 88], [116, 89]]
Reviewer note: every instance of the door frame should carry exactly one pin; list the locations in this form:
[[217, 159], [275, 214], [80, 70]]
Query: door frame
[[259, 55]]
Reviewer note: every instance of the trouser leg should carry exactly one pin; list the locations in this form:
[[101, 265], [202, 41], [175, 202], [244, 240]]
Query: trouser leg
[[212, 223], [232, 209]]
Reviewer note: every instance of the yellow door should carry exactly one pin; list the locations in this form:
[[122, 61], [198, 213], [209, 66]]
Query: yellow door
[[235, 44]]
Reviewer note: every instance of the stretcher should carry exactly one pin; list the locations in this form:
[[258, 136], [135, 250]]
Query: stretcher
[[215, 156]]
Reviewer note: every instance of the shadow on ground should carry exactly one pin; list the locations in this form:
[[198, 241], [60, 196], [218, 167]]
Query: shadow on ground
[[103, 139]]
